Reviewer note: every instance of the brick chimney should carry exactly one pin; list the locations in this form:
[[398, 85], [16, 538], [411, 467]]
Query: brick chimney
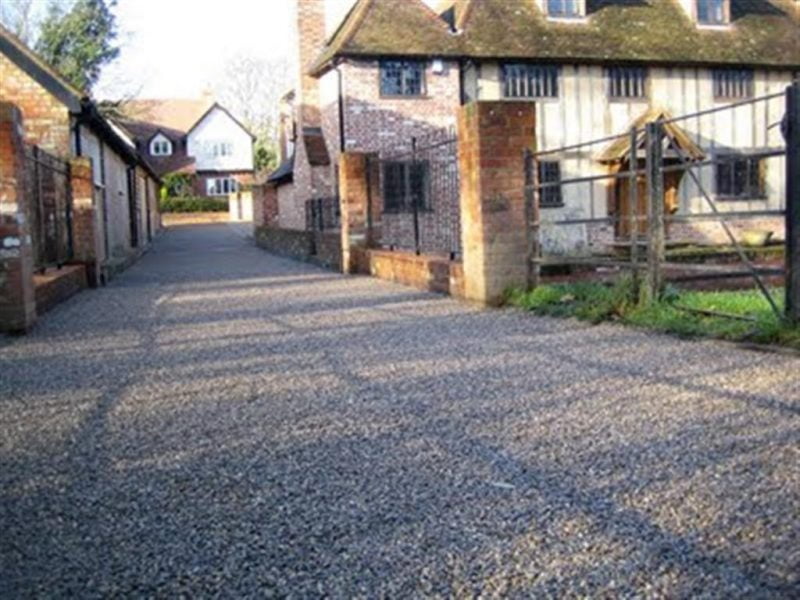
[[311, 39]]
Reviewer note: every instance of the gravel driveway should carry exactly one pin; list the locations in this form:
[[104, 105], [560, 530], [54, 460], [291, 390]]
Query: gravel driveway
[[219, 421]]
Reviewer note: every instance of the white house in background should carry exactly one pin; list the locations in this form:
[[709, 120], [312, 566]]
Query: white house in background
[[196, 137]]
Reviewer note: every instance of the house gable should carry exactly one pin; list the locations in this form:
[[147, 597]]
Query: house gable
[[218, 142]]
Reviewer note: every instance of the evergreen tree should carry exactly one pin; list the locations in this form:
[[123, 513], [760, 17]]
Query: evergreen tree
[[79, 42]]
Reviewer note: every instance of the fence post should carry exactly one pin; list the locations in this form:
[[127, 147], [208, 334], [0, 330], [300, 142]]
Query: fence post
[[492, 139], [633, 201], [792, 134], [17, 294], [353, 199], [533, 219], [655, 212]]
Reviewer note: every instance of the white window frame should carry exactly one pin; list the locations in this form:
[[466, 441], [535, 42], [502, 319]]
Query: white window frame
[[221, 186], [222, 149], [160, 146], [723, 22], [577, 16]]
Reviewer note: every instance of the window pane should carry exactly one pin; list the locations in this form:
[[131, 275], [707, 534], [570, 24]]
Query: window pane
[[400, 78], [530, 81], [550, 172], [418, 184], [711, 12], [412, 75], [393, 186]]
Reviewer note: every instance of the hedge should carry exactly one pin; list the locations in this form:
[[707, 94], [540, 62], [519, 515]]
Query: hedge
[[193, 205]]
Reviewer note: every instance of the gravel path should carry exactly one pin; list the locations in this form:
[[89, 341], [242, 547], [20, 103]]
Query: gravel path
[[219, 421]]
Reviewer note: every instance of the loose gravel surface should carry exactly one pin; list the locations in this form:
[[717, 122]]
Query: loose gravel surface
[[220, 421]]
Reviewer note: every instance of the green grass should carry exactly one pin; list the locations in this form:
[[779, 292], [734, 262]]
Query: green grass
[[596, 302]]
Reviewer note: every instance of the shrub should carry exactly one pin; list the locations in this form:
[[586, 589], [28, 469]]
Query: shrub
[[177, 185], [193, 204]]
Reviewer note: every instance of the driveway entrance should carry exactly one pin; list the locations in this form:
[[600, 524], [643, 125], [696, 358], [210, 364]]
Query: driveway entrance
[[220, 420]]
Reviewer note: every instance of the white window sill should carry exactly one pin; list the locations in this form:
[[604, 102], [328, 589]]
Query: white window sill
[[569, 20]]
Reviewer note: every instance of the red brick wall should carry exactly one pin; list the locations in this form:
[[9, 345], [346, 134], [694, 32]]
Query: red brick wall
[[17, 301], [492, 139], [47, 121], [376, 124]]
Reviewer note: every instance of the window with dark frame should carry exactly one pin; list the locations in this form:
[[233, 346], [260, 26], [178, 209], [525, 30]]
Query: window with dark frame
[[405, 184], [530, 81], [732, 84], [627, 82], [569, 9], [549, 171], [221, 186], [740, 177], [712, 12], [402, 78]]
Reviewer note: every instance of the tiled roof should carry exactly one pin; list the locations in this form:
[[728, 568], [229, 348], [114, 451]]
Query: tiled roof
[[284, 173], [763, 32], [177, 114], [399, 27], [143, 132], [619, 150]]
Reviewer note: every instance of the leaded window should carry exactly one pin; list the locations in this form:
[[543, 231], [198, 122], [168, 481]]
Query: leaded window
[[733, 83], [530, 81], [402, 78], [549, 171], [405, 186], [627, 82], [740, 177]]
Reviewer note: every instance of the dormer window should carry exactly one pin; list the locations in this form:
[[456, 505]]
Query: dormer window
[[160, 146], [713, 12], [565, 9]]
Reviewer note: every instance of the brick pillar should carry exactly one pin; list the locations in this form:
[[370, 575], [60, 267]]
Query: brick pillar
[[492, 140], [17, 297], [353, 196], [86, 235]]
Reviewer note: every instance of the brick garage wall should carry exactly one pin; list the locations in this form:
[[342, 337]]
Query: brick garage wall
[[47, 120]]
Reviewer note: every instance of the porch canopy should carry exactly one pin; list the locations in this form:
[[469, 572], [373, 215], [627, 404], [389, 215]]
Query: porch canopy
[[620, 150]]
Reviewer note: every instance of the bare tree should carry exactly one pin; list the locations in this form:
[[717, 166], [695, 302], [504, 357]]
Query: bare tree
[[252, 88], [23, 17]]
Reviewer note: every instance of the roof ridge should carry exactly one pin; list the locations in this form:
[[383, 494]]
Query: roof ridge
[[358, 12], [465, 15], [40, 62]]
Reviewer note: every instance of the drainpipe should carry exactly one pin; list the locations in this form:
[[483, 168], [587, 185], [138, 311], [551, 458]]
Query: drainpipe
[[341, 110]]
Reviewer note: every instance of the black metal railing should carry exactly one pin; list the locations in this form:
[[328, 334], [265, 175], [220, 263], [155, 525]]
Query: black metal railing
[[416, 197], [323, 214], [47, 188]]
